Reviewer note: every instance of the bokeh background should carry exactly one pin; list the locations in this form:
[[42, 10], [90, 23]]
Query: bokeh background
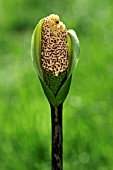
[[25, 122]]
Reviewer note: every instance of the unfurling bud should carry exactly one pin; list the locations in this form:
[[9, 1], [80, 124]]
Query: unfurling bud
[[55, 53]]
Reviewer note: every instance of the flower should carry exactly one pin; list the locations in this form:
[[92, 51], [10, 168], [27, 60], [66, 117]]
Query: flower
[[55, 53]]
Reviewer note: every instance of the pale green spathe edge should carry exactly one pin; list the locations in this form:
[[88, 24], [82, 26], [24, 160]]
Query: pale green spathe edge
[[73, 50], [36, 47]]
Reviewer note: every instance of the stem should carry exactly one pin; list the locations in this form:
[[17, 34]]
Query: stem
[[57, 149]]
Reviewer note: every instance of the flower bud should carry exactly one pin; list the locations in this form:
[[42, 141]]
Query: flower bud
[[55, 53]]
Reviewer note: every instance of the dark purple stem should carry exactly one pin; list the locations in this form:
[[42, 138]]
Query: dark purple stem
[[57, 139]]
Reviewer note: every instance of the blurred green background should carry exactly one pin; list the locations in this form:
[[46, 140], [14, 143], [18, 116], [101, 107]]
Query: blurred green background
[[25, 123]]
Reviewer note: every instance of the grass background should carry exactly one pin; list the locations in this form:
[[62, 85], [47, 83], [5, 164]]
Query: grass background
[[25, 124]]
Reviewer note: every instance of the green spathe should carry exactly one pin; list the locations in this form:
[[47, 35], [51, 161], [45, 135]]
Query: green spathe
[[73, 51]]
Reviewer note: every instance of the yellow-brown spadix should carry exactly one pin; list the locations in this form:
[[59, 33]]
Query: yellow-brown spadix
[[55, 52]]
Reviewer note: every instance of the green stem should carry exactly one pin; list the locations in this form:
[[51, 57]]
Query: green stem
[[57, 148]]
